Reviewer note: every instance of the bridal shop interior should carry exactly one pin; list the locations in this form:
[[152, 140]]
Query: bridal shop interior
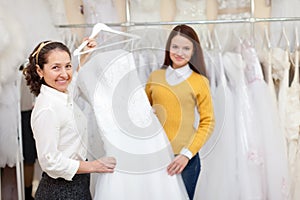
[[251, 52]]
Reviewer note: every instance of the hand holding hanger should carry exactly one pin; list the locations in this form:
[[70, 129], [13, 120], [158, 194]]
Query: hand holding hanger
[[96, 29], [103, 27], [90, 43]]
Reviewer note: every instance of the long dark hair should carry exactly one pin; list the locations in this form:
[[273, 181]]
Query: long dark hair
[[39, 57], [196, 63]]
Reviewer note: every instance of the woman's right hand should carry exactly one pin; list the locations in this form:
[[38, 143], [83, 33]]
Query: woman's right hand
[[92, 43], [104, 165]]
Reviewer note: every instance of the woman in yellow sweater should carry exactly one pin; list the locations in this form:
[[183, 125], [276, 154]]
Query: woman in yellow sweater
[[179, 92]]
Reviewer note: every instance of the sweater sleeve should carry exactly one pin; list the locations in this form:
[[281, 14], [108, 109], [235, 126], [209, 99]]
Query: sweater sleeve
[[207, 120], [148, 89]]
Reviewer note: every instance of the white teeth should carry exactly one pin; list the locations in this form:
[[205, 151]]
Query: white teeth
[[61, 81]]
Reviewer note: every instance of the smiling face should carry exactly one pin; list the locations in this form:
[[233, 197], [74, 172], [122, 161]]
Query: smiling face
[[57, 72], [181, 51]]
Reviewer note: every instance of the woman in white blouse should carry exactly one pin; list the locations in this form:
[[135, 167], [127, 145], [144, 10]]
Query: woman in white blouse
[[59, 127]]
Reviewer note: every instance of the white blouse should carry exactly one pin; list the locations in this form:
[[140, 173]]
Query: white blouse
[[176, 76], [60, 131]]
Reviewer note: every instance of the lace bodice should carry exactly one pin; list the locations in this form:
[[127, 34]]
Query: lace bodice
[[145, 11], [253, 70], [280, 63], [190, 10], [224, 4], [234, 9], [100, 11]]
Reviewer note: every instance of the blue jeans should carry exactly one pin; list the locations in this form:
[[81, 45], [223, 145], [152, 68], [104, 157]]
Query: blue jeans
[[190, 175]]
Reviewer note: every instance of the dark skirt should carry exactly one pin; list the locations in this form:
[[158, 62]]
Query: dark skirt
[[61, 189]]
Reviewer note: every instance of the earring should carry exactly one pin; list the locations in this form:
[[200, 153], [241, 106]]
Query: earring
[[41, 77]]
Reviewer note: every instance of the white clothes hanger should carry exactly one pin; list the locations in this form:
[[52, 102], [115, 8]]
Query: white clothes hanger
[[217, 40], [285, 37], [204, 40], [103, 27], [296, 39], [295, 59], [210, 42], [266, 38], [296, 76]]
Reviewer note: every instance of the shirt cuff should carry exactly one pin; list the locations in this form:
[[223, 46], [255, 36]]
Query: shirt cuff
[[74, 166], [186, 152]]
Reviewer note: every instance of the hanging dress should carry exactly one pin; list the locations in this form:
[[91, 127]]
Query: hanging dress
[[129, 130], [12, 52], [279, 9], [218, 155], [275, 174], [233, 10], [280, 74], [265, 57], [249, 162], [193, 10], [149, 51], [293, 127]]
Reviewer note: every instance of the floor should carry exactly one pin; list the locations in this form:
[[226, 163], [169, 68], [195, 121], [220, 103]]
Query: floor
[[8, 184]]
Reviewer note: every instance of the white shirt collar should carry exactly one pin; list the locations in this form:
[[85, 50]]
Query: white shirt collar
[[176, 76], [66, 97]]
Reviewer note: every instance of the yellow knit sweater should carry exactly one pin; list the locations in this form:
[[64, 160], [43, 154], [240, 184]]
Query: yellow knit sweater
[[175, 107]]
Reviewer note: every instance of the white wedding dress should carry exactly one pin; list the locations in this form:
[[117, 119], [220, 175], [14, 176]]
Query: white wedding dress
[[218, 155], [248, 144], [275, 176], [100, 11], [239, 160], [229, 33], [129, 130], [292, 128], [284, 9], [21, 30], [149, 51], [193, 10]]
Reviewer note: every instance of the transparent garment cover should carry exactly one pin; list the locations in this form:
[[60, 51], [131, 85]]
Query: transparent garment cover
[[129, 131]]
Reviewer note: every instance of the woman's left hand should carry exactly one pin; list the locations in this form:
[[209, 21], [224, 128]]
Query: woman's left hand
[[177, 165]]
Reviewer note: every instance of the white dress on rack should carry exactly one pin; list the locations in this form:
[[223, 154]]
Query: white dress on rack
[[100, 11], [280, 74], [248, 144], [229, 33], [34, 31], [22, 31], [12, 53], [9, 123], [282, 9], [193, 10], [130, 132], [275, 174], [149, 50], [147, 11], [104, 11], [293, 128], [59, 17], [265, 57], [218, 155]]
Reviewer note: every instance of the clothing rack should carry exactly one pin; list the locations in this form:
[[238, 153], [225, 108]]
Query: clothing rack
[[252, 20], [247, 20], [129, 23]]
